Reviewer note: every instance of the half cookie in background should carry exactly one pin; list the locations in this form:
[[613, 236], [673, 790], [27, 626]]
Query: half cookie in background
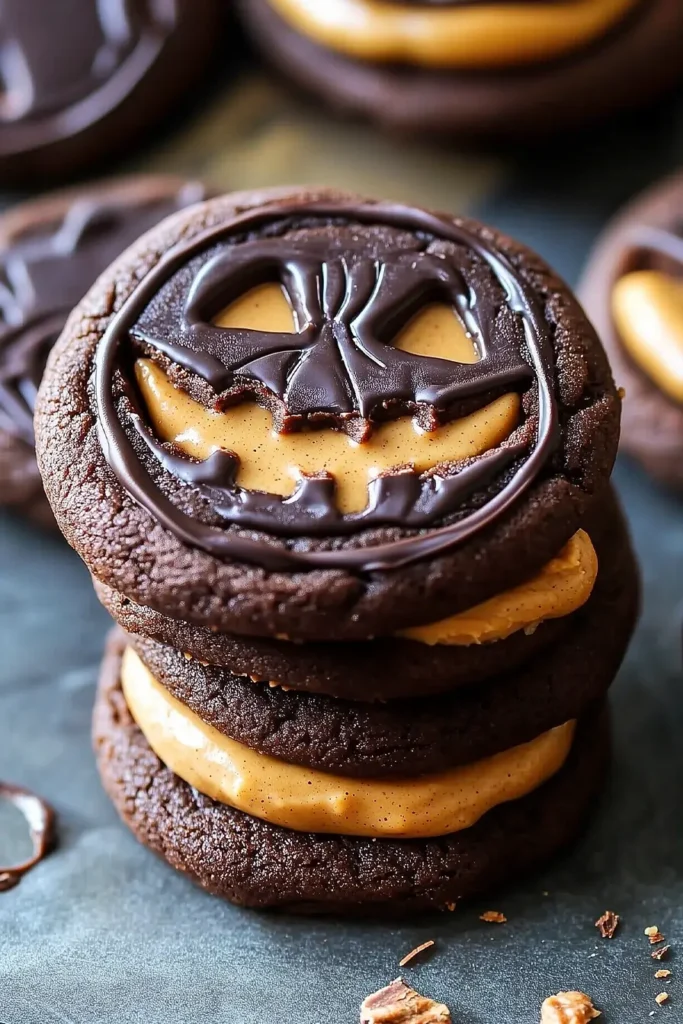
[[632, 289], [302, 428], [83, 81], [474, 69], [52, 249]]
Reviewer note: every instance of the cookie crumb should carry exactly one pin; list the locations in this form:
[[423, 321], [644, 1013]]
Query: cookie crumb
[[399, 1004], [568, 1008], [660, 954], [608, 924], [451, 906], [415, 952], [493, 917], [622, 393], [654, 935], [663, 997], [662, 974]]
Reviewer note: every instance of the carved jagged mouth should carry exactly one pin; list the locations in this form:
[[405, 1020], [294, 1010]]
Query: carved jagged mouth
[[340, 363]]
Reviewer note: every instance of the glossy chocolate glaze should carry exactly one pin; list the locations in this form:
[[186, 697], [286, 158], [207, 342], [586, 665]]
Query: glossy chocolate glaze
[[351, 308], [40, 819], [44, 273], [66, 65]]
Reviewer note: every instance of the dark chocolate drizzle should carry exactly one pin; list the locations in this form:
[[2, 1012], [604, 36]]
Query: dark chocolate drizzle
[[349, 308], [41, 821], [43, 274], [64, 65]]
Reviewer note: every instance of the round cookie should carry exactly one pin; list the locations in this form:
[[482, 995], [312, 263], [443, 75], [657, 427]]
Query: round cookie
[[51, 251], [625, 65], [647, 236], [382, 669], [213, 843], [86, 80], [427, 735], [539, 414]]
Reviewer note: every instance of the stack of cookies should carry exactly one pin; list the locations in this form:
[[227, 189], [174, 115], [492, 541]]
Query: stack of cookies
[[340, 471]]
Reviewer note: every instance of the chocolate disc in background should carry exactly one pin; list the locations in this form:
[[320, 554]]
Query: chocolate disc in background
[[51, 251], [626, 68], [83, 79], [646, 235]]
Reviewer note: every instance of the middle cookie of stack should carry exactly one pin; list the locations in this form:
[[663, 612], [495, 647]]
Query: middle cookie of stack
[[348, 494]]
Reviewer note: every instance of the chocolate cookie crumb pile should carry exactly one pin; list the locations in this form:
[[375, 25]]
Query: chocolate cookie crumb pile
[[340, 470]]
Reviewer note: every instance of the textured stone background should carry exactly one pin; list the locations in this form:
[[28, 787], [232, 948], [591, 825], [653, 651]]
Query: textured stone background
[[102, 931]]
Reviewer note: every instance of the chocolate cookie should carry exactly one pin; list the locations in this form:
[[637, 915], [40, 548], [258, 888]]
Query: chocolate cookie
[[426, 735], [632, 289], [51, 251], [83, 80], [217, 846], [559, 65], [386, 668], [511, 441]]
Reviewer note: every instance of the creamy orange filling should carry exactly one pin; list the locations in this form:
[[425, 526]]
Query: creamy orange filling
[[561, 587], [313, 801], [476, 36], [647, 306]]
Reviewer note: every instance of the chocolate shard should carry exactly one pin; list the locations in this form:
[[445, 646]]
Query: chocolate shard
[[40, 819], [400, 1004], [607, 924]]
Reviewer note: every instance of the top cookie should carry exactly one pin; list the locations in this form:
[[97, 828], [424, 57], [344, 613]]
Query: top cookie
[[320, 416]]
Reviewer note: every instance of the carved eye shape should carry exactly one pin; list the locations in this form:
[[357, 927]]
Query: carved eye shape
[[264, 308], [437, 333]]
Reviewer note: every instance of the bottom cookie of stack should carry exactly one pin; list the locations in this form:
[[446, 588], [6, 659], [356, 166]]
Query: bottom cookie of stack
[[469, 828]]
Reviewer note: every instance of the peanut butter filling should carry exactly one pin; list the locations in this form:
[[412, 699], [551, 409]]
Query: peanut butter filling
[[312, 801], [647, 307], [275, 462], [561, 587], [465, 36]]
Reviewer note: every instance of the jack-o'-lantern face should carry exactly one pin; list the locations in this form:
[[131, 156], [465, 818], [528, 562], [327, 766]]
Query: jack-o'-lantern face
[[49, 259], [334, 379]]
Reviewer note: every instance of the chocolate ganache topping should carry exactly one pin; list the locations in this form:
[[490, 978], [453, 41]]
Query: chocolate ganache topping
[[44, 273], [341, 369], [67, 64]]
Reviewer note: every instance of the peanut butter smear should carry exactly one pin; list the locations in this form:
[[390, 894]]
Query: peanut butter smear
[[647, 307], [307, 800], [275, 462], [480, 35], [561, 587]]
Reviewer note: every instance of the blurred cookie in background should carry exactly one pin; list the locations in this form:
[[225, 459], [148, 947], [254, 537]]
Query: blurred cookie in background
[[472, 68], [632, 289], [83, 80], [51, 251]]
